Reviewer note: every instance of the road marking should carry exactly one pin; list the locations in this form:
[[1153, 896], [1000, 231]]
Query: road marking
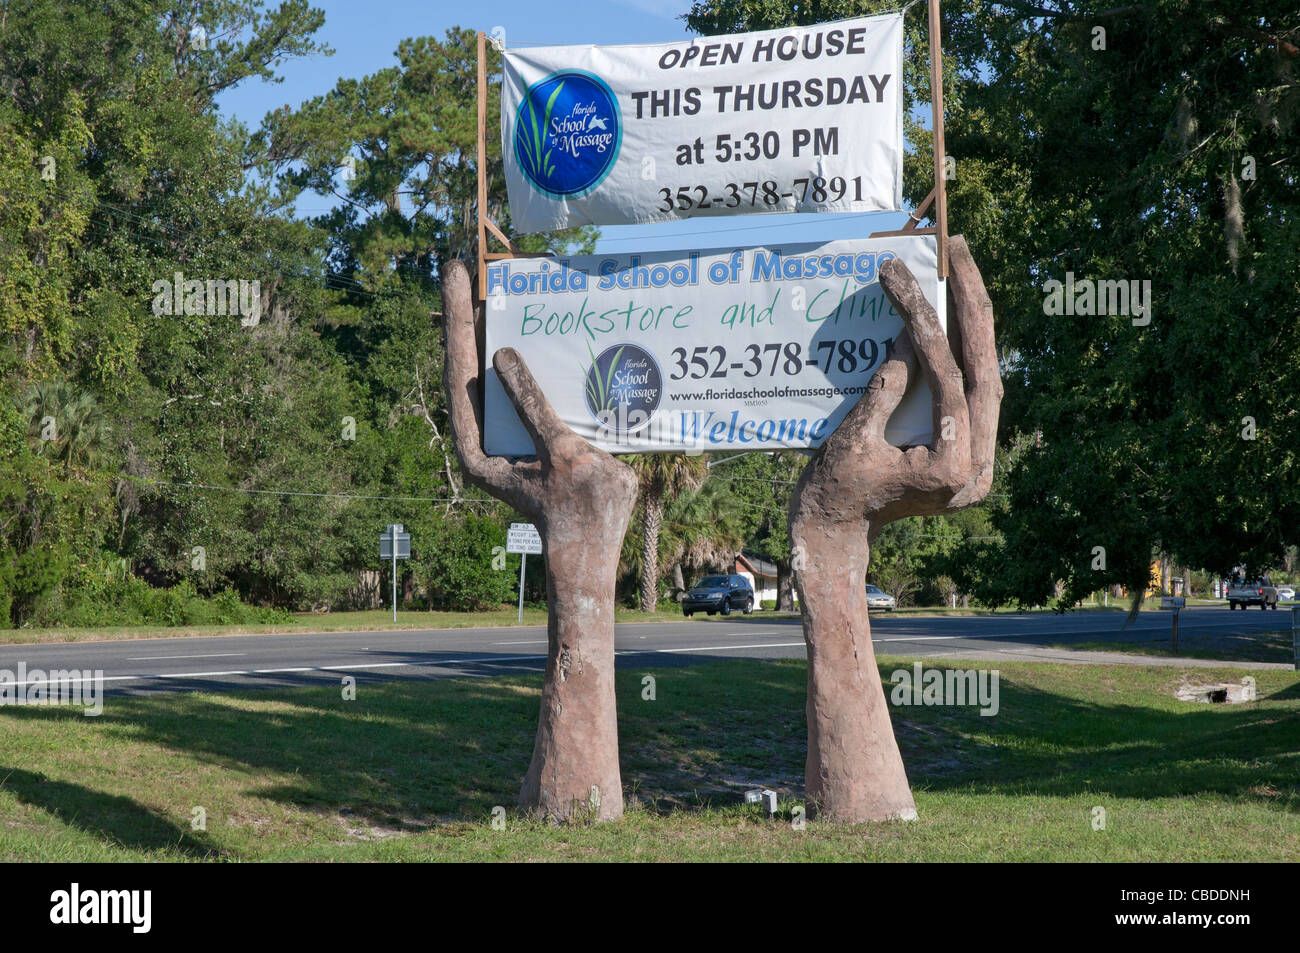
[[712, 648], [528, 642], [441, 663], [154, 658]]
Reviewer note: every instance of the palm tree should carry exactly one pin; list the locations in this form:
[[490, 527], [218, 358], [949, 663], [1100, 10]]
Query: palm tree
[[70, 423], [661, 475], [699, 533], [700, 530]]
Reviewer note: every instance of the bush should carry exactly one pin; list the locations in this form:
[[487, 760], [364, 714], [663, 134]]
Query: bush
[[30, 580], [94, 595], [457, 568]]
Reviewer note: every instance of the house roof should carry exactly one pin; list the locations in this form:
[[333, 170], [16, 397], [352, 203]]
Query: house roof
[[756, 564]]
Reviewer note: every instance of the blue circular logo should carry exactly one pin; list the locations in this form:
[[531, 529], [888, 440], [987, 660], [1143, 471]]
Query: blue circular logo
[[623, 387], [567, 134]]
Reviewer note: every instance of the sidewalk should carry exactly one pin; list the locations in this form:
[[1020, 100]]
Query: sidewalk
[[1035, 654]]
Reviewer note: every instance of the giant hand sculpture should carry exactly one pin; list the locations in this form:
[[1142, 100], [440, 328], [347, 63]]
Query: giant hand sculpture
[[581, 500], [854, 485]]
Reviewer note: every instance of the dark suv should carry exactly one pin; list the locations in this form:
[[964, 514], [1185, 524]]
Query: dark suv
[[719, 594]]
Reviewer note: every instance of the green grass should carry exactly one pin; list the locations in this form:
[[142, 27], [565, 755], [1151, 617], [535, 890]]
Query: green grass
[[411, 770], [368, 620], [1239, 645]]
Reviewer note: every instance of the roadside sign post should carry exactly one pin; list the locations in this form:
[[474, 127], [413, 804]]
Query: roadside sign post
[[1295, 637], [387, 550], [1175, 603], [523, 561], [523, 538]]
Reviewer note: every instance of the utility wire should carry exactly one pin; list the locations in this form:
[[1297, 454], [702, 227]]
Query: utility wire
[[338, 496]]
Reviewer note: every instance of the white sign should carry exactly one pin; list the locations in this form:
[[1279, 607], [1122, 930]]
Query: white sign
[[802, 119], [749, 348], [523, 538]]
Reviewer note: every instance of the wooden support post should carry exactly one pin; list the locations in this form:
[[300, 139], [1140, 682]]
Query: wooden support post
[[480, 213], [936, 101]]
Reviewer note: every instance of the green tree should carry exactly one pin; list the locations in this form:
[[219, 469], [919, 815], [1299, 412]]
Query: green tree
[[409, 132], [661, 476], [762, 484], [1157, 142]]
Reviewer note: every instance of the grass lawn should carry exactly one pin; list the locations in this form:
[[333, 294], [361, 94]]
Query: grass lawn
[[411, 770], [1241, 645], [367, 620]]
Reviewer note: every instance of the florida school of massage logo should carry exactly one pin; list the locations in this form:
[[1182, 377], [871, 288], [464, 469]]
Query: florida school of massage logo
[[623, 387], [567, 133]]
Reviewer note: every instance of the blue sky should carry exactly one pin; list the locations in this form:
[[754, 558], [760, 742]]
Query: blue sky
[[364, 36]]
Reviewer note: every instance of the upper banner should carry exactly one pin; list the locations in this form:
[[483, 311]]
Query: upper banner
[[757, 348], [803, 119]]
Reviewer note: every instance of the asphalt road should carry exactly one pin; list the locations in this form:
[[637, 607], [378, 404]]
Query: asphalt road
[[248, 661]]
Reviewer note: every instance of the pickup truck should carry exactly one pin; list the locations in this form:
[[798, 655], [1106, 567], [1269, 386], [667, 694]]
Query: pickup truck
[[1258, 592]]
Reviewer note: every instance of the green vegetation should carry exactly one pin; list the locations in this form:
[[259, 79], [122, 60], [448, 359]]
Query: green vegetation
[[1173, 436], [150, 436], [145, 436], [1245, 645], [357, 621], [411, 770]]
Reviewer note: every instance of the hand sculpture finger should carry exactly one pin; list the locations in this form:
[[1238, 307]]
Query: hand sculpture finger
[[464, 403], [950, 418], [551, 435], [972, 312], [866, 422]]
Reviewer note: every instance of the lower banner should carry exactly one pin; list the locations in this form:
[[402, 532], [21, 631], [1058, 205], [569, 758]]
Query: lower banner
[[758, 348]]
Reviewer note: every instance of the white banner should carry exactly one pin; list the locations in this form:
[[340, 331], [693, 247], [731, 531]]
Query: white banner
[[803, 119], [740, 349]]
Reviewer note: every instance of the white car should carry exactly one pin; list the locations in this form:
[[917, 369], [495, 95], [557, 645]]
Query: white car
[[879, 599], [1286, 593]]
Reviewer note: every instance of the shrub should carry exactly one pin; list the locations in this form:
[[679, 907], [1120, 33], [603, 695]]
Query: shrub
[[93, 597], [456, 568]]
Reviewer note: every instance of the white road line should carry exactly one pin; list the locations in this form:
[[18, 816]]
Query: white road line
[[712, 648], [492, 659], [528, 642], [155, 658], [440, 663]]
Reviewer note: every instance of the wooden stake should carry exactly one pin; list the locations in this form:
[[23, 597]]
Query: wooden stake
[[481, 211], [936, 102]]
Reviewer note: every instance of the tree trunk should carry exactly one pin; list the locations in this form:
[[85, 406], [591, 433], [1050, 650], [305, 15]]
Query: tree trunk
[[854, 770], [367, 589], [1165, 572], [785, 586], [679, 580], [576, 749], [652, 518]]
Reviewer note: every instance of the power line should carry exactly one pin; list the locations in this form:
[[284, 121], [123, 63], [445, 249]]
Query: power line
[[338, 496]]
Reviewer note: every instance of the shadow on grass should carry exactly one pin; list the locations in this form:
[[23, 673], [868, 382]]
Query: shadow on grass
[[420, 751], [112, 818]]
